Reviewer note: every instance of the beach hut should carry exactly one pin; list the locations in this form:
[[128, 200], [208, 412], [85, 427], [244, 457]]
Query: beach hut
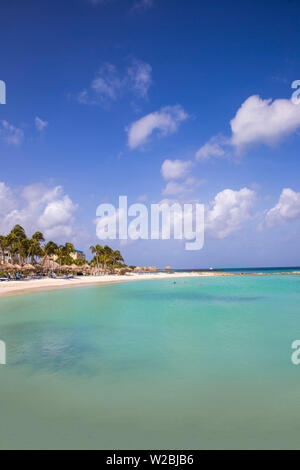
[[168, 268]]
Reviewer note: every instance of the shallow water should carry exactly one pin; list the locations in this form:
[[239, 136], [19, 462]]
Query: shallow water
[[203, 363]]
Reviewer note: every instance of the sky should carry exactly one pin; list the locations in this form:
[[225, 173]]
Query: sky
[[159, 100]]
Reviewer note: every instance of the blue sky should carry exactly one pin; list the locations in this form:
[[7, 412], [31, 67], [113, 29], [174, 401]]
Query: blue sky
[[101, 94]]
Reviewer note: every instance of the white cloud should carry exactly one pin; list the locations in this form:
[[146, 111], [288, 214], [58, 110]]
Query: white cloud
[[228, 212], [40, 124], [140, 75], [10, 134], [166, 121], [38, 207], [286, 210], [109, 84], [175, 169], [174, 188], [6, 199], [257, 121], [212, 148], [144, 4], [264, 121], [105, 87]]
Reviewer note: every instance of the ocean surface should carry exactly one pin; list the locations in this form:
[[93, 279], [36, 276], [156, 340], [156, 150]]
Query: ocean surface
[[201, 364], [241, 270]]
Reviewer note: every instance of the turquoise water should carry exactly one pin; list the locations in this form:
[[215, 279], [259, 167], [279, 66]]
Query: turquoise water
[[202, 364]]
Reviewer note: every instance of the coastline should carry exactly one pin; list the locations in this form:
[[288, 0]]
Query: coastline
[[11, 288]]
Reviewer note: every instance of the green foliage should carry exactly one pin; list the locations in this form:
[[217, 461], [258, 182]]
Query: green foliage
[[23, 249]]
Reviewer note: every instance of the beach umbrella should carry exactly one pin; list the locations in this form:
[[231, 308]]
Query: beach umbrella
[[86, 267], [153, 270], [28, 267], [168, 268], [49, 265], [17, 267], [74, 268], [122, 271], [65, 268], [9, 267]]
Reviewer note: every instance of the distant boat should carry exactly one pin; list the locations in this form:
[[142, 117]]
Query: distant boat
[[211, 269]]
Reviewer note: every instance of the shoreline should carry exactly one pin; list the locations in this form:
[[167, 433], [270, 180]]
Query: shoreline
[[12, 288]]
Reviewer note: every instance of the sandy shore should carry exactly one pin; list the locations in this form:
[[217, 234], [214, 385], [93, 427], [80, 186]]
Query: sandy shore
[[36, 285], [27, 286]]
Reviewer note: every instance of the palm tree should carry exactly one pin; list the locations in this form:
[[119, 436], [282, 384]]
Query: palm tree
[[38, 237], [13, 245], [50, 249], [63, 253], [35, 250], [98, 250], [19, 232], [116, 258], [68, 249]]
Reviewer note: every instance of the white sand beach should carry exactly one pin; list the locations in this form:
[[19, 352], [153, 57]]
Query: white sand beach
[[35, 285], [26, 286]]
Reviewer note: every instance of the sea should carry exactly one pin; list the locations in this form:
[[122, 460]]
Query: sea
[[185, 363]]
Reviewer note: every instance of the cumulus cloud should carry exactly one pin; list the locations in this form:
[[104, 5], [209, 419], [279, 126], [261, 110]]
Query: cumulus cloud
[[228, 212], [175, 188], [109, 84], [105, 87], [257, 121], [166, 121], [140, 77], [175, 169], [264, 121], [212, 149], [286, 210], [10, 134], [7, 201], [40, 124], [37, 207]]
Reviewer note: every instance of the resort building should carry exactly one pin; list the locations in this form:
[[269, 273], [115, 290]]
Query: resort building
[[7, 258], [78, 255]]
